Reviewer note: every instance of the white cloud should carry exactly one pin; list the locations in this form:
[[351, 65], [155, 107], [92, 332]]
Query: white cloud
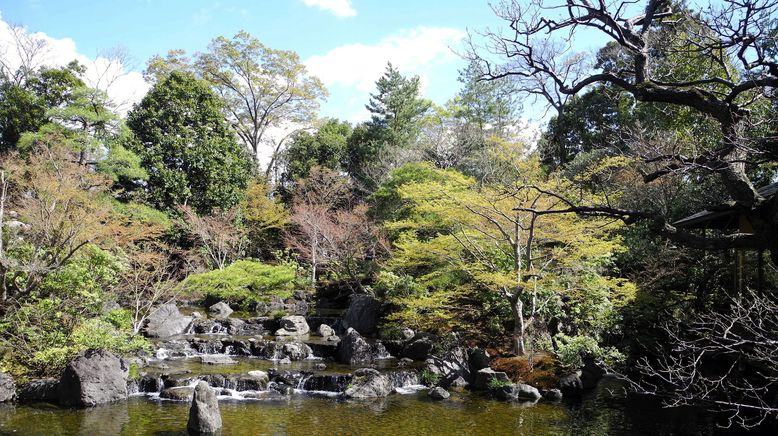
[[410, 51], [340, 8], [124, 87]]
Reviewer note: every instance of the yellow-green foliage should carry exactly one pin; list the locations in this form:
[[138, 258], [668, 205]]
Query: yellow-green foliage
[[244, 282]]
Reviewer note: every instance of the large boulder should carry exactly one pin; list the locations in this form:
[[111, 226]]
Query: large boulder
[[220, 310], [479, 359], [7, 388], [451, 369], [93, 377], [369, 383], [204, 415], [418, 348], [483, 378], [293, 325], [38, 390], [362, 314], [354, 349], [167, 321]]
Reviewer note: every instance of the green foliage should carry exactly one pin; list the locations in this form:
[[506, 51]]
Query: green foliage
[[325, 148], [243, 283], [572, 350], [187, 147], [496, 383], [429, 378]]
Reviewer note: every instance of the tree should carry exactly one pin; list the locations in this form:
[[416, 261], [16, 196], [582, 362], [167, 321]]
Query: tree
[[265, 219], [263, 89], [490, 105], [219, 235], [325, 148], [727, 37], [187, 148]]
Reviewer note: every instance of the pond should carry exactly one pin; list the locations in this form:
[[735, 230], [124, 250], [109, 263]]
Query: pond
[[603, 411]]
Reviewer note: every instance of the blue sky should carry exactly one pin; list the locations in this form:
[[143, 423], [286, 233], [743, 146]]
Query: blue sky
[[345, 43]]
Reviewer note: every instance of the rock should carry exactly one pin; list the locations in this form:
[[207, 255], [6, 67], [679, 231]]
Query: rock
[[526, 392], [294, 325], [7, 388], [259, 375], [483, 377], [325, 331], [354, 349], [404, 362], [418, 348], [167, 321], [38, 390], [438, 393], [197, 315], [591, 373], [220, 310], [571, 385], [479, 359], [93, 377], [204, 415], [333, 339], [235, 326], [296, 350], [407, 333], [552, 394], [285, 361], [362, 314], [369, 383], [320, 366], [217, 359], [177, 393], [452, 368]]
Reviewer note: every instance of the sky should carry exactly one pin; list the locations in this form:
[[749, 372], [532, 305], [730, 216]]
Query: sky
[[346, 43]]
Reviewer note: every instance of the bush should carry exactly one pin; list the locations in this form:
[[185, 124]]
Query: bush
[[243, 283], [429, 378], [572, 350], [496, 383]]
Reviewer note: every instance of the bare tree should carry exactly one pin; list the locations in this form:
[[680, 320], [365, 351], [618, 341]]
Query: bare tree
[[731, 41], [726, 360], [23, 56], [217, 234], [146, 282]]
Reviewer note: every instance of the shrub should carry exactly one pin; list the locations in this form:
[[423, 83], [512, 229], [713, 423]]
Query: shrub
[[572, 350], [429, 378], [243, 283], [496, 383]]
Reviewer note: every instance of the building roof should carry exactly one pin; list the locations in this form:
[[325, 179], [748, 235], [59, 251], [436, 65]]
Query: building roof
[[724, 216]]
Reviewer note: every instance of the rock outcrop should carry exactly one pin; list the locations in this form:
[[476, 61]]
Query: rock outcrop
[[93, 377], [362, 314], [220, 310], [451, 369], [204, 415], [483, 378], [354, 349], [369, 383], [293, 325], [167, 321], [7, 388]]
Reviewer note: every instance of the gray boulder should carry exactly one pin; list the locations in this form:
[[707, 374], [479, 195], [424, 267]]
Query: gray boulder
[[167, 321], [479, 359], [220, 310], [407, 333], [369, 383], [293, 325], [516, 392], [204, 415], [296, 350], [354, 349], [552, 394], [452, 368], [325, 331], [7, 388], [38, 390], [438, 393], [418, 348], [93, 377], [483, 378], [362, 314], [177, 393], [217, 359]]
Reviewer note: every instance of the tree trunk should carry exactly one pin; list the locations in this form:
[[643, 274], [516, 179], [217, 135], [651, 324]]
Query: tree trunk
[[517, 308]]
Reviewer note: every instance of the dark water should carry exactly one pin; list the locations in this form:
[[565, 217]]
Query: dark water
[[600, 413]]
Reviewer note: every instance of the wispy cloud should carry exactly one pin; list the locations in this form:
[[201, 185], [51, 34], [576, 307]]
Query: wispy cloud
[[340, 8]]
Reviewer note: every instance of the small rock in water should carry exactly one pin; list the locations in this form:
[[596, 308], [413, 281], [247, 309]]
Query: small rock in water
[[204, 415], [294, 325], [404, 362], [333, 339], [285, 361], [552, 394], [7, 388], [325, 331], [438, 393], [197, 315], [320, 366], [408, 334], [220, 310], [217, 359], [178, 393]]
